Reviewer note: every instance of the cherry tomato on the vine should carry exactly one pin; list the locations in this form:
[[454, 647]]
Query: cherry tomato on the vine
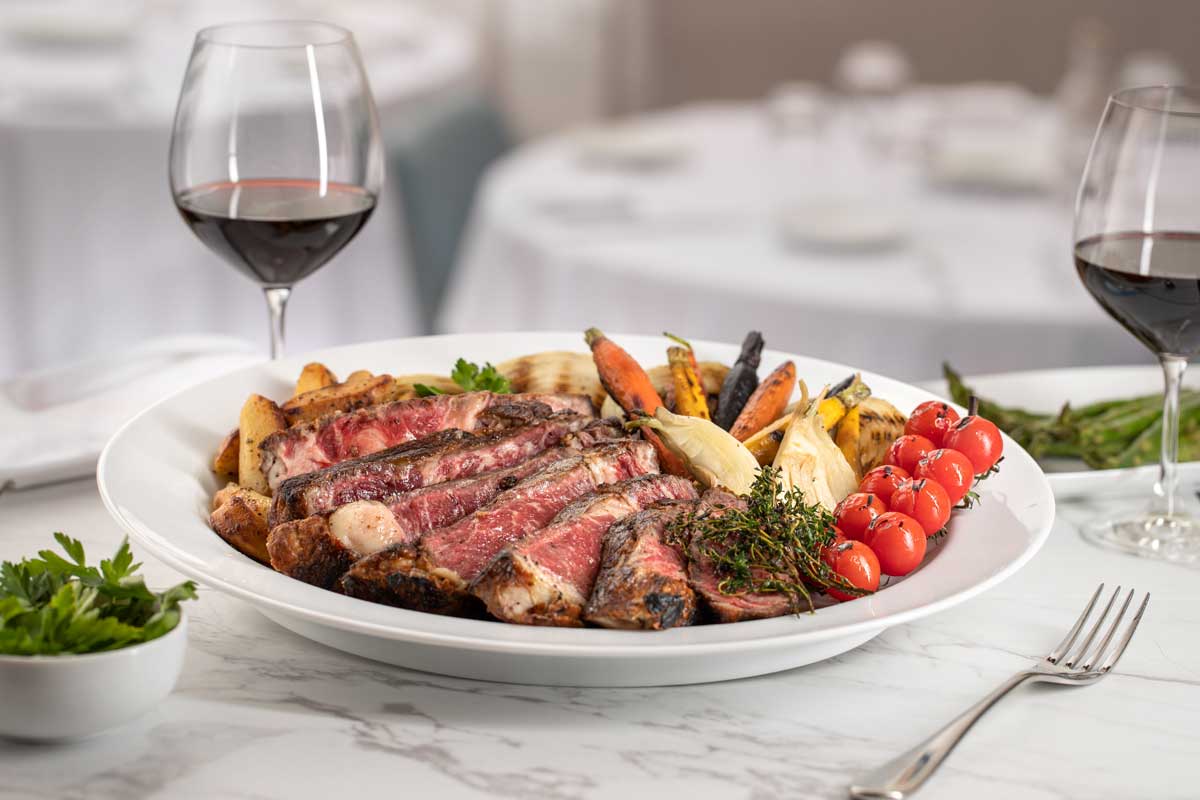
[[949, 468], [925, 501], [856, 512], [856, 563], [883, 480], [977, 439], [907, 450], [898, 541], [931, 419]]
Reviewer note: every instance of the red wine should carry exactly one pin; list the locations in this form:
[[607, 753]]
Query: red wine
[[275, 231], [1150, 283]]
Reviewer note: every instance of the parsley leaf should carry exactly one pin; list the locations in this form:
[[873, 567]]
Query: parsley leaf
[[472, 378], [50, 604]]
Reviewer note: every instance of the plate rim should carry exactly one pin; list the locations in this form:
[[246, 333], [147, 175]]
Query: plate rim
[[172, 556]]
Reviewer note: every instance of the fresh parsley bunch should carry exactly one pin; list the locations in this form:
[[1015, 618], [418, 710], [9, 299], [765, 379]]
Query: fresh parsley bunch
[[51, 605], [472, 378]]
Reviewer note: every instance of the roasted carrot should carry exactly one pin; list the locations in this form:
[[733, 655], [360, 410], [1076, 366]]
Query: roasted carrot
[[740, 382], [691, 352], [767, 402], [689, 392], [621, 375]]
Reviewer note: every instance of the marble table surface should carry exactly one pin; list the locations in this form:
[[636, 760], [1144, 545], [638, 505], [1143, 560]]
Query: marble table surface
[[262, 713]]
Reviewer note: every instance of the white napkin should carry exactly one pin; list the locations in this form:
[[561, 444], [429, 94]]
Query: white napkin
[[56, 421]]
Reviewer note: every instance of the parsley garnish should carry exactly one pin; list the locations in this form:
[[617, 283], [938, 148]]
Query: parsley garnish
[[472, 378], [51, 604]]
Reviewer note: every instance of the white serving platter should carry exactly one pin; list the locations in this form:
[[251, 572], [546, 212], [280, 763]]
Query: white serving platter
[[154, 478], [1045, 391]]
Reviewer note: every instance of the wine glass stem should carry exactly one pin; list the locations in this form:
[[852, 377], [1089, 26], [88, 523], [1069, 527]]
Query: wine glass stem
[[1172, 367], [277, 297]]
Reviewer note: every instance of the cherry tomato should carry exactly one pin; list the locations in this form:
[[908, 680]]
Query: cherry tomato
[[856, 512], [931, 419], [977, 439], [898, 541], [856, 563], [951, 469], [925, 501], [882, 481], [907, 450]]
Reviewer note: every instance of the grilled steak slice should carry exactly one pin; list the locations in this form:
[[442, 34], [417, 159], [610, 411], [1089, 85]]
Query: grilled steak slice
[[706, 582], [306, 550], [338, 437], [546, 578], [643, 583], [445, 456], [435, 576], [365, 527]]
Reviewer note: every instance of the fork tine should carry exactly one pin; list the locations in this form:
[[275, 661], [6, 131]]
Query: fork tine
[[1061, 650], [1128, 635], [1094, 656], [1077, 653]]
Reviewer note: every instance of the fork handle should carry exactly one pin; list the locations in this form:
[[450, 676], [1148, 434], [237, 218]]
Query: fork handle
[[901, 776]]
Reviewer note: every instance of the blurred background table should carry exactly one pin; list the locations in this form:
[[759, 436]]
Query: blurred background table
[[672, 221], [95, 254]]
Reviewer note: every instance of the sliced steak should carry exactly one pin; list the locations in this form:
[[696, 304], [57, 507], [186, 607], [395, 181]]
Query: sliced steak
[[546, 578], [444, 456], [435, 576], [643, 582], [365, 527], [338, 437], [307, 551], [707, 582]]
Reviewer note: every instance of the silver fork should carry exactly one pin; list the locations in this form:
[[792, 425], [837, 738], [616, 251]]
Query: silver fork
[[1066, 664]]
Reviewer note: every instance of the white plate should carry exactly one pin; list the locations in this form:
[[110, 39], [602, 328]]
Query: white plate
[[1047, 390], [154, 479]]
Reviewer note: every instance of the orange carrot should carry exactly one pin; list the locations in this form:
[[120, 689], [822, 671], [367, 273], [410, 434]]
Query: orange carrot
[[625, 380], [621, 375], [767, 403]]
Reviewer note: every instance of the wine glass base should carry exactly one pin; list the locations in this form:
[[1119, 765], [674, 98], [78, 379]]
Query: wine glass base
[[1174, 538]]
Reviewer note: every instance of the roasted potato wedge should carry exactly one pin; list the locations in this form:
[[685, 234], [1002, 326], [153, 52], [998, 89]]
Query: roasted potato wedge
[[404, 386], [554, 371], [260, 418], [314, 376], [225, 462], [240, 518], [358, 390]]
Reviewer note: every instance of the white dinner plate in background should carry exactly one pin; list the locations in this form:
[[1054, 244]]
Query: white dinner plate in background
[[1045, 391], [155, 480]]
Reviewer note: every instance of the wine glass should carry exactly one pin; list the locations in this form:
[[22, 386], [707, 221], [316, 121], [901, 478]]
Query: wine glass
[[1137, 251], [276, 160]]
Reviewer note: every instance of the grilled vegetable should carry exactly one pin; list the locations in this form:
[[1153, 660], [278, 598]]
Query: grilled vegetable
[[767, 403], [713, 456], [1106, 435], [689, 392], [685, 344], [554, 371], [867, 431], [712, 375], [627, 383], [808, 459], [621, 375], [741, 381], [844, 396]]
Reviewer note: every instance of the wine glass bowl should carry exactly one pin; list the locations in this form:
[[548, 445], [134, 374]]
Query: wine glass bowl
[[1137, 252], [276, 160]]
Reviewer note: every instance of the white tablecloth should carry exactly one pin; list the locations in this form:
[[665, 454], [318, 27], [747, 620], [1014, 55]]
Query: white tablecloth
[[94, 256], [986, 280]]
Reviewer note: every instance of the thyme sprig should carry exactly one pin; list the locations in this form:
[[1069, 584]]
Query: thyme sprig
[[774, 545]]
